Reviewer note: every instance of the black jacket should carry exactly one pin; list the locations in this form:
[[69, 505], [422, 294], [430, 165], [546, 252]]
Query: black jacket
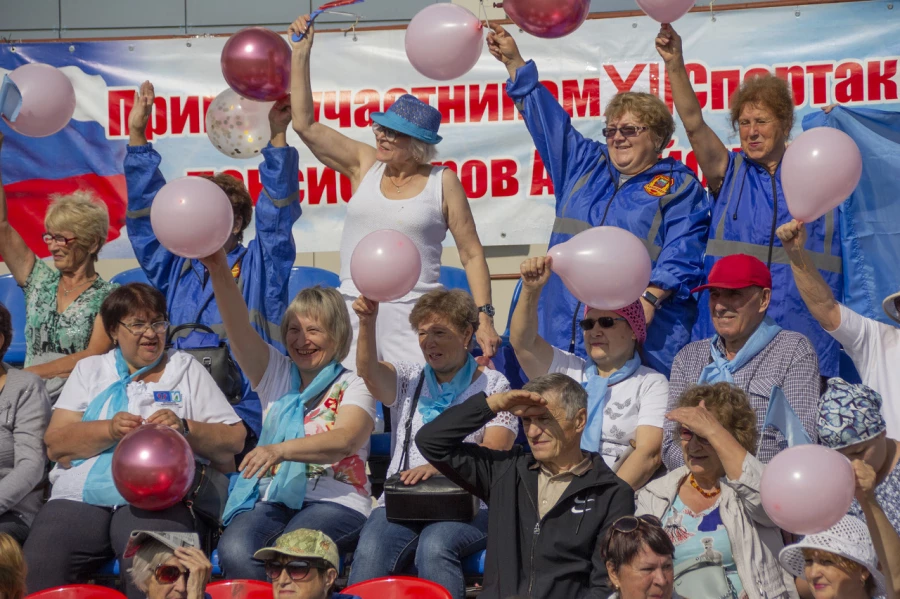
[[551, 558]]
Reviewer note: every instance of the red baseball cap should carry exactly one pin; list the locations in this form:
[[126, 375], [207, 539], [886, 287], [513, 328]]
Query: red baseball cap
[[737, 272]]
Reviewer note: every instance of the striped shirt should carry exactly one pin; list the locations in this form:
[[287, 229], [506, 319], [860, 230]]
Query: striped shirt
[[789, 361]]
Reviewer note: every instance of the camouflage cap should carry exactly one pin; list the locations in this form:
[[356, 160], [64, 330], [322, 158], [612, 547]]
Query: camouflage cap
[[304, 543]]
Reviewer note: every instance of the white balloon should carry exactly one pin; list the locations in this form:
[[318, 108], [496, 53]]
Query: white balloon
[[238, 127]]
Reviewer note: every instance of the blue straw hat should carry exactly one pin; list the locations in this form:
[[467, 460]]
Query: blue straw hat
[[411, 116]]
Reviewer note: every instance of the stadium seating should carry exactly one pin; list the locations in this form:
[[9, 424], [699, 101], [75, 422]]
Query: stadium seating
[[308, 276], [12, 297], [80, 591], [398, 587], [454, 278], [245, 589], [132, 275]]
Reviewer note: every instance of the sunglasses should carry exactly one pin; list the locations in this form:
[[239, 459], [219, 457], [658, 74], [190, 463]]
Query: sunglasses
[[389, 134], [59, 239], [687, 435], [628, 524], [297, 570], [605, 322], [168, 574], [626, 131]]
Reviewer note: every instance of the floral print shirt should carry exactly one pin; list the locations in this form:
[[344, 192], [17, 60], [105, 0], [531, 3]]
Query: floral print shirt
[[888, 496]]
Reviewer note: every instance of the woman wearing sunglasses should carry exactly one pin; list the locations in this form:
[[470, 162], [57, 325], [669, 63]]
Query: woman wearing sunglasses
[[61, 303], [168, 565], [87, 522], [395, 187], [725, 544], [626, 400], [303, 564], [638, 556], [617, 181]]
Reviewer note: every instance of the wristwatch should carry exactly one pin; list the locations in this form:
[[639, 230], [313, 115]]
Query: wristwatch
[[652, 299], [487, 309], [184, 427]]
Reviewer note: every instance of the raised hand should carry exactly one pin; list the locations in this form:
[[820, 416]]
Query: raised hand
[[366, 310], [792, 235], [140, 114], [303, 27], [200, 568], [518, 402], [536, 272], [503, 47], [668, 44], [697, 419], [865, 481], [280, 116]]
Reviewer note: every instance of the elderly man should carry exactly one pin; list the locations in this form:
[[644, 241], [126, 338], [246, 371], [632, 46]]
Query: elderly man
[[873, 346], [750, 351], [567, 498], [303, 564]]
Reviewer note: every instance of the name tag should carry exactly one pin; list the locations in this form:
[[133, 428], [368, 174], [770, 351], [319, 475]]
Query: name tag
[[167, 397]]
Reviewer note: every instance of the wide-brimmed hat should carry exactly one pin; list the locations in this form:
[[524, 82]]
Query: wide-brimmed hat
[[303, 543], [890, 307], [737, 272], [849, 538], [634, 314], [849, 414], [172, 540], [411, 116]]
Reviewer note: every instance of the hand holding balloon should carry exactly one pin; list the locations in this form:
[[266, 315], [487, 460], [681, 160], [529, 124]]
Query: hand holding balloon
[[122, 424], [548, 19], [792, 235], [256, 63], [192, 217], [503, 47], [443, 41], [666, 11], [140, 114], [535, 273], [262, 459], [385, 265], [366, 310], [166, 418], [668, 45], [865, 481]]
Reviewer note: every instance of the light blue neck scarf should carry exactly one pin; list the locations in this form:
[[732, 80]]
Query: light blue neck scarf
[[597, 387], [721, 370], [284, 422], [99, 488], [443, 394]]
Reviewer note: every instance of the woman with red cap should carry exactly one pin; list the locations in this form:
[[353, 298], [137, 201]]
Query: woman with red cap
[[626, 400]]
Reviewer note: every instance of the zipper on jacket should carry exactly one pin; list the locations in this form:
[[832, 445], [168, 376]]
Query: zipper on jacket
[[536, 532], [774, 222]]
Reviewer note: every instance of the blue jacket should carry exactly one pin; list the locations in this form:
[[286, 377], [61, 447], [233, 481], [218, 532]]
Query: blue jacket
[[262, 267], [743, 222], [665, 206]]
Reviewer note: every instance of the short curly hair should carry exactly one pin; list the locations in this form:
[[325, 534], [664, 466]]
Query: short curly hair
[[455, 305], [769, 92], [730, 406], [6, 329], [649, 110], [241, 202], [81, 213]]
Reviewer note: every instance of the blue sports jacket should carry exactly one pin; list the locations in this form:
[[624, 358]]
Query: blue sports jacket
[[262, 268], [665, 206]]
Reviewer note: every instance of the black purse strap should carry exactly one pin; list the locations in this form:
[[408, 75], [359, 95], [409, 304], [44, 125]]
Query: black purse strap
[[404, 460], [187, 327]]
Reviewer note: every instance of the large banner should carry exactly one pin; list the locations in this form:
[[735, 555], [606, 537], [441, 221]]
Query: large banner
[[843, 53]]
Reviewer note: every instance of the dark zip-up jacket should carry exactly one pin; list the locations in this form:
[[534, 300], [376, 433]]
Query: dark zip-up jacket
[[528, 556]]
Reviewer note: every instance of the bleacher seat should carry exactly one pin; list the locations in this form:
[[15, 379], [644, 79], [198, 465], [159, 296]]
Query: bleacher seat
[[454, 278], [81, 591], [474, 564], [12, 297], [245, 589], [309, 276], [132, 275], [398, 587]]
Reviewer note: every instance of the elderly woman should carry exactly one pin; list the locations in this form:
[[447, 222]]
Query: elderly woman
[[395, 187], [309, 470], [26, 410], [748, 202], [262, 267], [725, 544], [638, 556], [105, 398], [621, 183], [61, 303], [626, 400], [445, 322], [168, 565]]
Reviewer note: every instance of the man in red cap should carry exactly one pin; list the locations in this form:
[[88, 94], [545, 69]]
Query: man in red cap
[[750, 351]]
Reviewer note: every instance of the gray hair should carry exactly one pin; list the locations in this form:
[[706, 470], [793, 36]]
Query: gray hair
[[570, 394], [326, 305], [149, 555], [422, 152]]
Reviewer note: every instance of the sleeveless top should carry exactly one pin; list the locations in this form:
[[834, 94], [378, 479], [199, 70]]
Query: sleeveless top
[[420, 218]]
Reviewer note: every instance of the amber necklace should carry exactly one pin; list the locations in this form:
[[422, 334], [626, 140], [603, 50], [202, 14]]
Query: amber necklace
[[707, 494]]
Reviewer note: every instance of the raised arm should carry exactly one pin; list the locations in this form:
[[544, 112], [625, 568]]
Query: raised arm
[[884, 536], [712, 155], [535, 355], [335, 150], [699, 420], [380, 377], [816, 293], [18, 256]]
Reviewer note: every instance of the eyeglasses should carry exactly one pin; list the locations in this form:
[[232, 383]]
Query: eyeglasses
[[629, 524], [605, 322], [139, 328], [297, 570], [59, 239], [626, 131], [168, 574], [687, 435], [389, 134]]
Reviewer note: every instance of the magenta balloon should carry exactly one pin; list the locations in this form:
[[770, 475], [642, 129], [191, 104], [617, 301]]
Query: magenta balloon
[[604, 267], [153, 467], [807, 489], [547, 18], [666, 11], [821, 168], [444, 41], [191, 217], [48, 100], [256, 63], [385, 265]]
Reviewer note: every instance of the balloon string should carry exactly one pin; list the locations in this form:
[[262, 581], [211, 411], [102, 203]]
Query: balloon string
[[483, 11]]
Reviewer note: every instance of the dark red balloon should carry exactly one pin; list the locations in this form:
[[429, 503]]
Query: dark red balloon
[[548, 18], [256, 63], [153, 467]]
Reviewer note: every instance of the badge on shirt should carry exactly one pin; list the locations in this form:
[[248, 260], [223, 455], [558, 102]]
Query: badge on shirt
[[236, 269], [167, 397], [659, 186]]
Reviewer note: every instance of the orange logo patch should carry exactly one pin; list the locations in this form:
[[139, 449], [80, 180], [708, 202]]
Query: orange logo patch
[[659, 186]]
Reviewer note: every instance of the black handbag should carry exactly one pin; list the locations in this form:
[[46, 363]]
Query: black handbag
[[208, 495], [434, 500], [214, 355]]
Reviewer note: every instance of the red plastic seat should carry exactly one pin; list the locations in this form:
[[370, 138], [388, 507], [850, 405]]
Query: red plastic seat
[[80, 591], [398, 587], [239, 589]]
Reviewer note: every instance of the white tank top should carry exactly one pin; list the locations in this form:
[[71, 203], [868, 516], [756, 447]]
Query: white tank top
[[420, 218]]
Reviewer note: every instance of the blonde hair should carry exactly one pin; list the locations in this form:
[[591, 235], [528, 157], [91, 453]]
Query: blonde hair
[[12, 568], [326, 305], [81, 213], [730, 406], [149, 555], [649, 110], [455, 305]]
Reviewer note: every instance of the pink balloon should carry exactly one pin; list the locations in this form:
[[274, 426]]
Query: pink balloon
[[807, 489], [604, 267], [443, 41], [153, 467], [256, 63], [385, 265], [666, 11], [820, 170], [191, 217], [548, 18], [48, 100]]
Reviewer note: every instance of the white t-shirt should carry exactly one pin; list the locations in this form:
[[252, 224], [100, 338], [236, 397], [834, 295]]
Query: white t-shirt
[[639, 400], [490, 382], [874, 348], [200, 400], [346, 482]]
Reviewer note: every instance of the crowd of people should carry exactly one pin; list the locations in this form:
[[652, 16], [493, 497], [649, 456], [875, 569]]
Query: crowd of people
[[645, 434]]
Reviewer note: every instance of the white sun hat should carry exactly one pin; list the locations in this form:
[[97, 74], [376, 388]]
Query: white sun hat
[[848, 538], [890, 307]]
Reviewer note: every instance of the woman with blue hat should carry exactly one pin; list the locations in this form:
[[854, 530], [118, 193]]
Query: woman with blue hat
[[395, 187]]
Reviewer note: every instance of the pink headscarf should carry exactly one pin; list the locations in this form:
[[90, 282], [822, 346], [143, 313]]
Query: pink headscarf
[[634, 314]]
